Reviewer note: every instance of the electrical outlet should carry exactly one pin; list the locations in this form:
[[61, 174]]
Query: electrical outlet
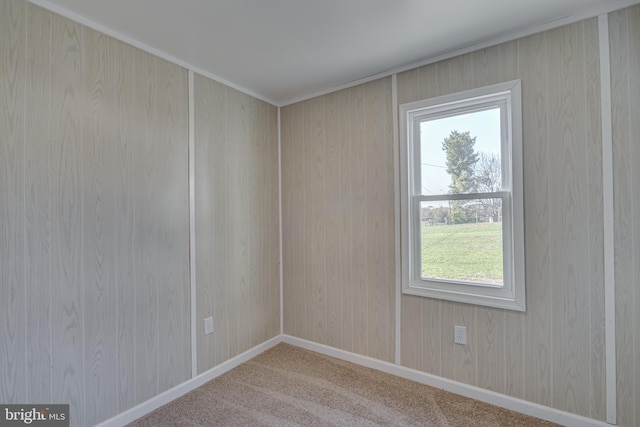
[[460, 335], [208, 325]]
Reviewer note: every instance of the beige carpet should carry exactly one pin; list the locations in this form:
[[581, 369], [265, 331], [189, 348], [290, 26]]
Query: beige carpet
[[289, 386]]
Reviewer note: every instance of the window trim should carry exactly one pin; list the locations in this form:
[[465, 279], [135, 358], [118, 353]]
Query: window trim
[[511, 295]]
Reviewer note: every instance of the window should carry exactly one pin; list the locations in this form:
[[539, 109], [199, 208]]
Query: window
[[462, 219]]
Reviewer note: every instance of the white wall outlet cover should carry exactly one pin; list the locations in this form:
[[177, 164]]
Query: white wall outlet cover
[[460, 335], [208, 325]]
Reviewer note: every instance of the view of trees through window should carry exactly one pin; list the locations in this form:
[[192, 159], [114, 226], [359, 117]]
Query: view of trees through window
[[462, 237]]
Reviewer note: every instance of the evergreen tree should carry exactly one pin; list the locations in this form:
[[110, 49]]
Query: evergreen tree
[[461, 161]]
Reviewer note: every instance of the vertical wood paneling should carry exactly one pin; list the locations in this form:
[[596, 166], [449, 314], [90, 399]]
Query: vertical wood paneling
[[569, 230], [380, 256], [430, 327], [124, 143], [411, 332], [359, 213], [296, 141], [219, 149], [537, 378], [146, 240], [387, 286], [334, 212], [634, 133], [389, 253], [232, 237], [623, 239], [37, 210], [633, 18], [12, 163], [514, 365], [241, 141], [230, 234], [184, 311], [346, 220], [270, 229], [236, 174], [338, 219], [67, 292], [490, 346], [159, 139], [314, 211], [538, 321], [253, 211], [288, 219], [268, 251], [595, 219], [625, 99], [238, 216], [94, 190], [221, 262], [171, 181], [208, 262], [98, 245], [374, 154]]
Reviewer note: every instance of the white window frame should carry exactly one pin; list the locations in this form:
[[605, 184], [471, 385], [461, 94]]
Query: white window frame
[[508, 97]]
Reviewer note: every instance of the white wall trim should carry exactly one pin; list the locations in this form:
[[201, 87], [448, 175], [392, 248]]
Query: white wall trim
[[396, 186], [190, 385], [280, 219], [602, 8], [608, 218], [46, 4], [497, 399]]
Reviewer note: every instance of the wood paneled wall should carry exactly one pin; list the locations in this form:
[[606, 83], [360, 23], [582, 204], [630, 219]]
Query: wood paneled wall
[[13, 370], [94, 218], [94, 254], [237, 221], [338, 223], [554, 353], [624, 27], [337, 214]]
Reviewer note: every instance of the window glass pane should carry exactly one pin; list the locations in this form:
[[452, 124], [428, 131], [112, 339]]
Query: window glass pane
[[461, 240], [461, 153]]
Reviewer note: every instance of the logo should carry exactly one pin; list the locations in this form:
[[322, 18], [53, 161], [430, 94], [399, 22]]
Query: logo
[[34, 415]]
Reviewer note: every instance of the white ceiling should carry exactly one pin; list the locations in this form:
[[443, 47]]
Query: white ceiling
[[284, 50]]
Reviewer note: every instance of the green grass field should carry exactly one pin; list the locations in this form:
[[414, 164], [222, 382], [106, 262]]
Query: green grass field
[[469, 252]]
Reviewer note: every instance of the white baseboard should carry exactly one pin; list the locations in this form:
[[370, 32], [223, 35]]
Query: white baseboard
[[504, 401], [524, 407], [163, 398]]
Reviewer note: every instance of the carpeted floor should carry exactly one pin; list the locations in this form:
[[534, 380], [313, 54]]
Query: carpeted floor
[[289, 386]]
